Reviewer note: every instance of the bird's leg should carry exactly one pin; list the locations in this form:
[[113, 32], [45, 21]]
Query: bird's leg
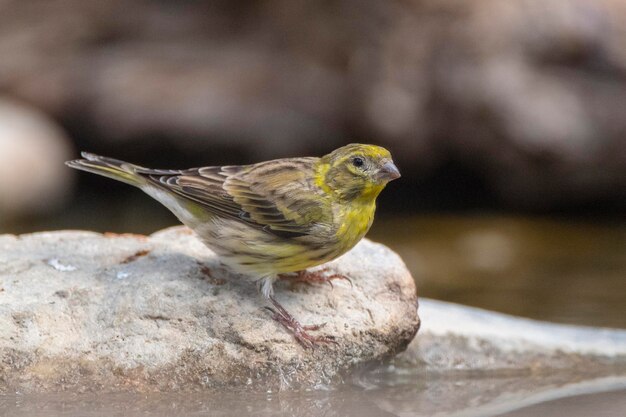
[[299, 331], [321, 275]]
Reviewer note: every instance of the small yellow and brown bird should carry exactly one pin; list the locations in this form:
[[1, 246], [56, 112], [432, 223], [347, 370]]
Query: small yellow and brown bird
[[271, 218]]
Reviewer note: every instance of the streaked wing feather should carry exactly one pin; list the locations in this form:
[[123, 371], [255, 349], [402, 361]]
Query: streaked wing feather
[[281, 196], [277, 196], [190, 185]]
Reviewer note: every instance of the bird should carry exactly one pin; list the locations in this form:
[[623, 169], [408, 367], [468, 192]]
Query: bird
[[270, 219]]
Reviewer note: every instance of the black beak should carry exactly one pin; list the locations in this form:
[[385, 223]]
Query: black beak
[[389, 172]]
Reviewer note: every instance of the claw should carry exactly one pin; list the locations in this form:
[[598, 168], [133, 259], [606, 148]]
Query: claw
[[316, 276], [299, 331], [349, 280], [313, 327]]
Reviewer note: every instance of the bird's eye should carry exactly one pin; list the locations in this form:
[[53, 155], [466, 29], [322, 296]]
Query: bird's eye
[[357, 161]]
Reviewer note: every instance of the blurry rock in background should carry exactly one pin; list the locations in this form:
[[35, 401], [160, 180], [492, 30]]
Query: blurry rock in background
[[33, 148], [526, 97]]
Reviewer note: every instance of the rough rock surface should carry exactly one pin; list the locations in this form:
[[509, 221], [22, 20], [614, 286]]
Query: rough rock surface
[[460, 338], [474, 362], [83, 311], [471, 362]]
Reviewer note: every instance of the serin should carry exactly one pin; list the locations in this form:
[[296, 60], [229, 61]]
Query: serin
[[271, 218]]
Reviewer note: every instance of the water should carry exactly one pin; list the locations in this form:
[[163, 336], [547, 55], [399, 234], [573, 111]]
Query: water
[[567, 271], [428, 395]]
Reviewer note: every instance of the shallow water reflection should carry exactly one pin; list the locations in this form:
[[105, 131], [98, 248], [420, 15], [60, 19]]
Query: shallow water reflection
[[469, 395]]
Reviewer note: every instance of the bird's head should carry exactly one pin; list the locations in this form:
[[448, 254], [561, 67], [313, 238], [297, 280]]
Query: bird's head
[[358, 171]]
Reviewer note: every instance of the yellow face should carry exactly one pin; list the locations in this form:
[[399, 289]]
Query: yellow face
[[360, 171]]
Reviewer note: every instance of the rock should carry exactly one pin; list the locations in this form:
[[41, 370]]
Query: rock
[[32, 151], [83, 311], [460, 338], [453, 376], [473, 362]]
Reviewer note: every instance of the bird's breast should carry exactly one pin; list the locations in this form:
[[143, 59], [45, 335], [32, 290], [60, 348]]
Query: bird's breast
[[356, 220]]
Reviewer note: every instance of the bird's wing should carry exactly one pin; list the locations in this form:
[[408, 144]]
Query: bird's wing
[[203, 186], [278, 196], [282, 196]]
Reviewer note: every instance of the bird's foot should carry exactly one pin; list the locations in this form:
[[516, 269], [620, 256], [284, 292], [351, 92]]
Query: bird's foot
[[299, 331], [321, 275]]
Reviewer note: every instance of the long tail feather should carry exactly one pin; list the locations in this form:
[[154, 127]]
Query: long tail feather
[[108, 167]]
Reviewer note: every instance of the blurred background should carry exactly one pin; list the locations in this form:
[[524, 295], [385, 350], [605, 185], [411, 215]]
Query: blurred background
[[506, 118]]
